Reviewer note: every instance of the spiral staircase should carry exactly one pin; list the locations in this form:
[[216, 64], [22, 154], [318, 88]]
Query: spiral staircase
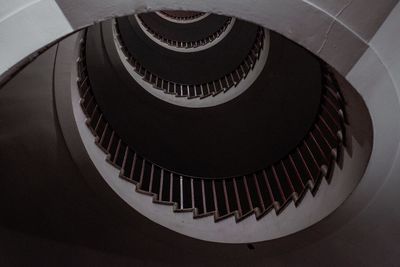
[[211, 126], [253, 193]]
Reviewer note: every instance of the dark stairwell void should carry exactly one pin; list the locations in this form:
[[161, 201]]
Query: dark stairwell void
[[245, 130], [255, 153]]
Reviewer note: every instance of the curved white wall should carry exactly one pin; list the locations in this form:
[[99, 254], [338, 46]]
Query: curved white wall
[[25, 27], [315, 24]]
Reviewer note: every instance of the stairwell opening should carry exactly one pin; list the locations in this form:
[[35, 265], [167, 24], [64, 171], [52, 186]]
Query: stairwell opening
[[312, 174]]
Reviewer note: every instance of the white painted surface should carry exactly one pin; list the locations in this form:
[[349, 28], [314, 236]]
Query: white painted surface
[[363, 17], [301, 21], [26, 26], [308, 22], [376, 76], [304, 22], [386, 44]]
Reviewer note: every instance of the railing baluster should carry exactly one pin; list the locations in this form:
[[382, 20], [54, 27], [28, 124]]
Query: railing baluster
[[181, 191], [151, 178], [259, 192], [203, 193], [278, 183], [226, 197], [192, 191], [133, 166], [246, 187], [124, 160], [296, 170], [305, 164], [117, 151], [171, 187], [288, 177], [239, 205], [161, 185], [215, 199]]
